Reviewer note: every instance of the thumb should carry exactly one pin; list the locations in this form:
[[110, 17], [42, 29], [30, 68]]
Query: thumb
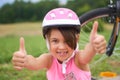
[[94, 31], [22, 45]]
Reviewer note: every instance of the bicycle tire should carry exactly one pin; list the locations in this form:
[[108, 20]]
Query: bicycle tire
[[100, 13], [94, 14]]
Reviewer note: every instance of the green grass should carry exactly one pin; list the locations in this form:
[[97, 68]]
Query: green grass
[[9, 44], [35, 45], [8, 73]]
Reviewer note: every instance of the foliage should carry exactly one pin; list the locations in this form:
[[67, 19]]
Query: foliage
[[21, 11], [82, 6]]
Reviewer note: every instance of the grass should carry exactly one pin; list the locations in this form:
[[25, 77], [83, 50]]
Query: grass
[[10, 44], [35, 45], [8, 73]]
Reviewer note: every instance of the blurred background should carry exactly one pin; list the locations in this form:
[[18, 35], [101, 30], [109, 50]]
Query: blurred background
[[23, 18], [12, 11]]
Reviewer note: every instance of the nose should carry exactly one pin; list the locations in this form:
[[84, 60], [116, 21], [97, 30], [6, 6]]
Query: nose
[[62, 45]]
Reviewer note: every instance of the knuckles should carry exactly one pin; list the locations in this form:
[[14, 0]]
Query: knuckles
[[99, 44], [18, 60], [19, 54]]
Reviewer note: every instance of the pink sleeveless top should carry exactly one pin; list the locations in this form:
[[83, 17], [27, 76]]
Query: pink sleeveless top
[[72, 72]]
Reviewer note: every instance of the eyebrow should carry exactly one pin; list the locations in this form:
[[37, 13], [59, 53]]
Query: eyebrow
[[53, 38]]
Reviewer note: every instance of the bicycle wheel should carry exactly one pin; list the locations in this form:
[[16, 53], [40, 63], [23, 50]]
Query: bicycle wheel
[[108, 31], [99, 13]]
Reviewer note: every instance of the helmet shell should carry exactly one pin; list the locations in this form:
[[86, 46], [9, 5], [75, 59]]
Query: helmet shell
[[60, 16]]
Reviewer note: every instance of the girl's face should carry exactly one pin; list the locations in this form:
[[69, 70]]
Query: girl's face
[[58, 46]]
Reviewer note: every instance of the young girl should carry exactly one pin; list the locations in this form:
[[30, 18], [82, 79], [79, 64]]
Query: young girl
[[61, 28]]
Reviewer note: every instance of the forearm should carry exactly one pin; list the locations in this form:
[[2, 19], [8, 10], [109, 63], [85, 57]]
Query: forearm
[[38, 63], [31, 63], [88, 53], [97, 43]]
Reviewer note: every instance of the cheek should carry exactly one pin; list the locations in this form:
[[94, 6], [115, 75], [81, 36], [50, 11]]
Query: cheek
[[53, 47], [53, 50]]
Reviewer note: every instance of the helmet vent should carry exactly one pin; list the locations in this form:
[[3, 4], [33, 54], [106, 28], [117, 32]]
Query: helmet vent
[[61, 12], [52, 15], [70, 15]]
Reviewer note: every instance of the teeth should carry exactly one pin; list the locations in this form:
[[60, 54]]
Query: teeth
[[62, 53]]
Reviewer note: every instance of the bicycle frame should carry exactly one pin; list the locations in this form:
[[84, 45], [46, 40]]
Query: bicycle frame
[[116, 29]]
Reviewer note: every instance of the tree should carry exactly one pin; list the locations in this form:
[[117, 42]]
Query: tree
[[82, 6], [27, 11], [7, 14]]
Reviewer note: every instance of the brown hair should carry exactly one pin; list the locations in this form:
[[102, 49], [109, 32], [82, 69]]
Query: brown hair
[[69, 34]]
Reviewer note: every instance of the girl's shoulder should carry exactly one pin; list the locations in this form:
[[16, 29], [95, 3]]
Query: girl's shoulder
[[47, 55], [49, 59]]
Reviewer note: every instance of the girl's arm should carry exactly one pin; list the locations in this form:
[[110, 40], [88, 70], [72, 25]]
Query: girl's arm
[[42, 62], [97, 44], [21, 60]]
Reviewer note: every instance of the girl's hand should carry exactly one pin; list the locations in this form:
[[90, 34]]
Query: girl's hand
[[97, 41], [19, 57]]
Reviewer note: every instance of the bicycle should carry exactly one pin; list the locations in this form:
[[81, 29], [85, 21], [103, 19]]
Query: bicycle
[[112, 13]]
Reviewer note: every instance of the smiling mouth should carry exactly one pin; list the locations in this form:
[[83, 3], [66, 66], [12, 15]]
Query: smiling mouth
[[62, 53]]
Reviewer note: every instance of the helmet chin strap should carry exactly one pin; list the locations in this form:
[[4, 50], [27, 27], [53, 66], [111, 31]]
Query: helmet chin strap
[[64, 64], [47, 43]]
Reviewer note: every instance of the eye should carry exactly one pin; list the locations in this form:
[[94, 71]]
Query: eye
[[54, 41]]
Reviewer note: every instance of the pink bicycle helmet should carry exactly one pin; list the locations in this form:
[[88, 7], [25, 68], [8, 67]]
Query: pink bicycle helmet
[[60, 17]]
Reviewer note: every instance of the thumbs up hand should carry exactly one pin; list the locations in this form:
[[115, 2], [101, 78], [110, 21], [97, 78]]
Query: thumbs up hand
[[97, 41], [19, 57], [22, 46]]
